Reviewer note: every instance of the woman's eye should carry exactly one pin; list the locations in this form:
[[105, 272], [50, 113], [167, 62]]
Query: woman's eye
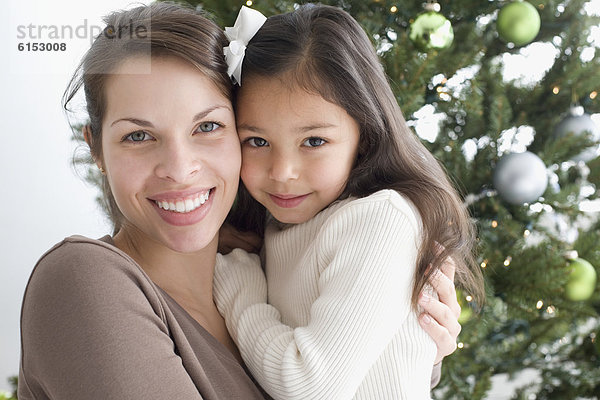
[[314, 142], [208, 126], [257, 142], [137, 136]]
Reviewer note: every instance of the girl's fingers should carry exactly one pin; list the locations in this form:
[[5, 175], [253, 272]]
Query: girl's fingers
[[446, 291], [448, 267], [446, 344], [442, 314]]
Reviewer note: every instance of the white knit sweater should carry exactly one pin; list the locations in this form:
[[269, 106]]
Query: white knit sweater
[[339, 323]]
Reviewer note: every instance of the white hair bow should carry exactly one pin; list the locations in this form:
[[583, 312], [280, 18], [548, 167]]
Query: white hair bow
[[246, 25]]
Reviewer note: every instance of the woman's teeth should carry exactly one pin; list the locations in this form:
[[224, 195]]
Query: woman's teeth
[[183, 205]]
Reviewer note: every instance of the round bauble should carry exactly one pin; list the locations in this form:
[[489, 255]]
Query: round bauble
[[520, 178], [582, 280], [466, 312], [518, 22], [431, 31], [578, 122]]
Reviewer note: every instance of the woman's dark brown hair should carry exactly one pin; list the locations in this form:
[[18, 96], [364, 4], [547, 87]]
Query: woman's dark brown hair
[[157, 30], [323, 50]]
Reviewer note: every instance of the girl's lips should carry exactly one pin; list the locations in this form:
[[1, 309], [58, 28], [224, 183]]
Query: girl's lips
[[287, 200]]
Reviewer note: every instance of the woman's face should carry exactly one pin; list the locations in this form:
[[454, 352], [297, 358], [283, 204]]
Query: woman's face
[[170, 151]]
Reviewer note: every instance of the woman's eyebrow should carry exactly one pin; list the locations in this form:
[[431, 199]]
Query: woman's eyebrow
[[137, 121], [203, 114], [197, 117]]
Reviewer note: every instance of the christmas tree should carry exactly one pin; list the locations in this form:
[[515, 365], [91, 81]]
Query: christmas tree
[[448, 62], [538, 247]]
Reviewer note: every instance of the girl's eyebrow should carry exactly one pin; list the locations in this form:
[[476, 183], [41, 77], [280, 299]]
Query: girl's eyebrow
[[248, 127], [302, 129], [201, 115], [316, 126]]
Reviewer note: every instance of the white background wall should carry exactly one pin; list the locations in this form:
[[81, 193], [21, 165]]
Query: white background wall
[[42, 200]]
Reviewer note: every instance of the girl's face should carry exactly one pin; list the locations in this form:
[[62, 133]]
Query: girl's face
[[170, 151], [297, 148]]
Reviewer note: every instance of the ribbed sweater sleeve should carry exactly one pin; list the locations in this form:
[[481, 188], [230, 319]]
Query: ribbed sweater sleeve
[[365, 254]]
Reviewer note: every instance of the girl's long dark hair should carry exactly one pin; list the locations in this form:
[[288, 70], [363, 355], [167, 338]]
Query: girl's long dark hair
[[325, 51]]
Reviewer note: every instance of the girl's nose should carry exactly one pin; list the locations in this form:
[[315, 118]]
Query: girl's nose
[[284, 167]]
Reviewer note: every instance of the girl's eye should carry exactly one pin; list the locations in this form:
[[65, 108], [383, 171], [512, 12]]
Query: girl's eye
[[314, 142], [137, 136], [208, 126], [257, 142]]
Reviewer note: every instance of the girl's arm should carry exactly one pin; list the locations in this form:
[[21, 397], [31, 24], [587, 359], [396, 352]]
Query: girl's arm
[[92, 328], [369, 253]]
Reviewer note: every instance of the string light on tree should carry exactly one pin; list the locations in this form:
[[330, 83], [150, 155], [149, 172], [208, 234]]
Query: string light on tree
[[466, 312], [431, 30], [539, 304], [518, 22]]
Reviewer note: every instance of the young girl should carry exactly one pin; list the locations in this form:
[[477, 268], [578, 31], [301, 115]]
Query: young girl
[[356, 210]]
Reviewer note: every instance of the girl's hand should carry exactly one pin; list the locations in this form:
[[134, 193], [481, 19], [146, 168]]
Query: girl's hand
[[440, 317], [230, 238]]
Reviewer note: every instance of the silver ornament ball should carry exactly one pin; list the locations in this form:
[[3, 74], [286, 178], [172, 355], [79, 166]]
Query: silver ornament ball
[[578, 122], [520, 177]]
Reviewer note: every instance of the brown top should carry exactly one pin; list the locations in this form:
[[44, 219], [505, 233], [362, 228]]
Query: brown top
[[94, 326]]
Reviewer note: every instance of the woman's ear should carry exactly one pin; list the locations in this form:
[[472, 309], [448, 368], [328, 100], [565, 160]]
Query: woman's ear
[[86, 130]]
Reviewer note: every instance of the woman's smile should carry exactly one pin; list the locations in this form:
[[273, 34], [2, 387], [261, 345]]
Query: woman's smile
[[181, 211]]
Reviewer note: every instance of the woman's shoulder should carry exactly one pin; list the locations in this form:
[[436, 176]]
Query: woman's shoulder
[[80, 251], [81, 262]]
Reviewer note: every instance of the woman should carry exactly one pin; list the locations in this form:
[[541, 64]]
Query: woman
[[132, 316]]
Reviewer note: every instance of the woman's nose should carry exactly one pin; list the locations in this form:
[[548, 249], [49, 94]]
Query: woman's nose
[[178, 161]]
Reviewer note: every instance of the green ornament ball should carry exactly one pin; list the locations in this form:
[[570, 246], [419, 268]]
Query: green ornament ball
[[431, 31], [582, 280], [518, 22], [466, 312]]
